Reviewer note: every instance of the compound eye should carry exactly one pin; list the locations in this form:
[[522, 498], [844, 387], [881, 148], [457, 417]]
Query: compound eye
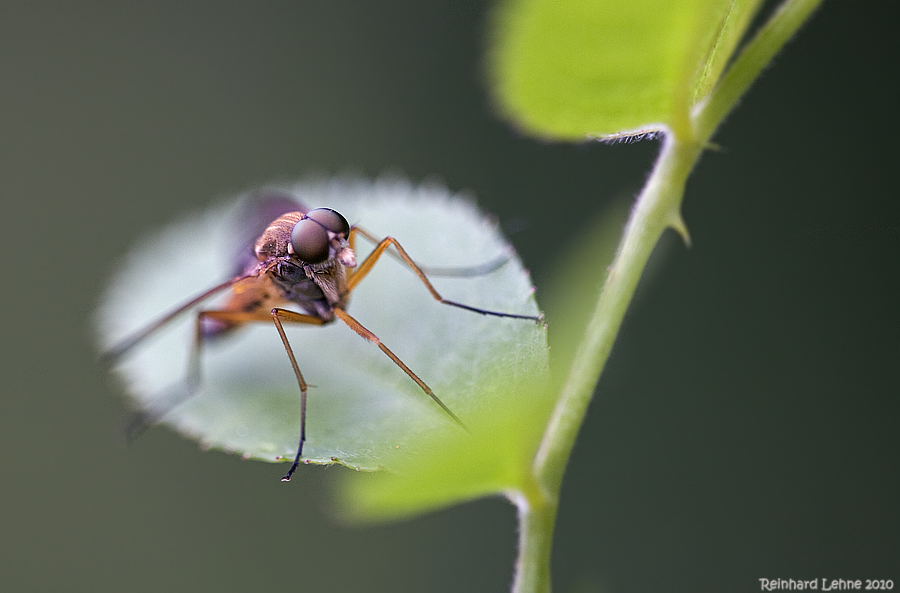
[[331, 220], [310, 241]]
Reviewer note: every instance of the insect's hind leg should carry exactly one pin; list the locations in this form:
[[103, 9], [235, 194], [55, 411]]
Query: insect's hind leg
[[139, 421]]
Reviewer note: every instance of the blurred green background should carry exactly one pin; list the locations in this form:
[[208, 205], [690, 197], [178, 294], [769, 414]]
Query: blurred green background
[[747, 425]]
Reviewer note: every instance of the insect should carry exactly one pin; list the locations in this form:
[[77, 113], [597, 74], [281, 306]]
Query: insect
[[301, 258]]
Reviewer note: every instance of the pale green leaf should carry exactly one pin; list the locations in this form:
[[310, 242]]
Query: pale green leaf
[[363, 412]]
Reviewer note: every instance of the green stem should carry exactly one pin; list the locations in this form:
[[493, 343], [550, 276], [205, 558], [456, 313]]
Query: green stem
[[658, 207], [537, 517]]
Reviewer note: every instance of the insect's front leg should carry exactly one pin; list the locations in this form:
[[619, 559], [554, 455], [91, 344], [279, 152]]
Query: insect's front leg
[[481, 269], [367, 334], [278, 316], [366, 266]]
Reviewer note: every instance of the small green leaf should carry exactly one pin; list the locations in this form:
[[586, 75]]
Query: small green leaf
[[494, 456], [363, 411], [585, 68]]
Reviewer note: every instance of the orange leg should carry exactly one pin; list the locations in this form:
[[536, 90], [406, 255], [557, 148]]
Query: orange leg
[[139, 421], [366, 266], [240, 318], [118, 350], [358, 328], [278, 315]]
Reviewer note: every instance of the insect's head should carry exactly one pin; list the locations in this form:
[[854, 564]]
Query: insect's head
[[322, 234]]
